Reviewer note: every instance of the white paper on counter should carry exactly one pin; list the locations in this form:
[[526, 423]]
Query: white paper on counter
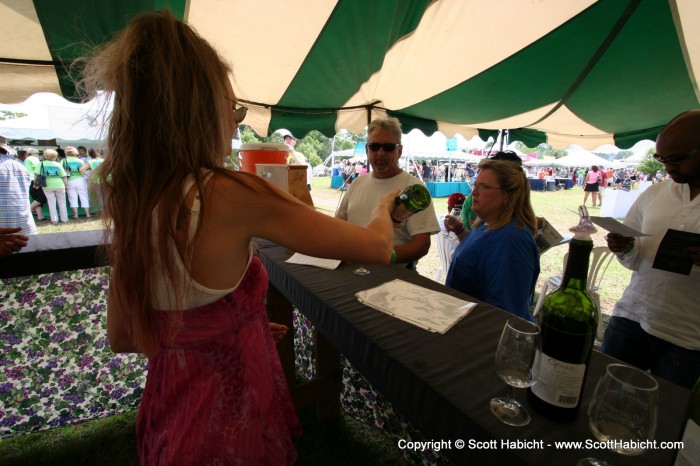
[[330, 264], [428, 309]]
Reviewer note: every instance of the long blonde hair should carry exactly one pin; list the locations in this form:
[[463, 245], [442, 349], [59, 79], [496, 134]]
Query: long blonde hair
[[171, 119], [514, 183]]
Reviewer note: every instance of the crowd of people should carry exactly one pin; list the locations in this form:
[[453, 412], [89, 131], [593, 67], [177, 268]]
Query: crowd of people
[[187, 290], [51, 177]]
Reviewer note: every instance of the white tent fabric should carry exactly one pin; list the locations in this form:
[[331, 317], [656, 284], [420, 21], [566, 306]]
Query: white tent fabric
[[589, 72], [52, 117], [577, 156], [640, 151]]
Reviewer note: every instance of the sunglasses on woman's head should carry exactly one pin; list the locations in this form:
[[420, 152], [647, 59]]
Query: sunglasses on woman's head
[[238, 113]]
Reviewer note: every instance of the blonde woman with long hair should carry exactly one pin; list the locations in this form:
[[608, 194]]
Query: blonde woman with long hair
[[185, 288], [498, 260]]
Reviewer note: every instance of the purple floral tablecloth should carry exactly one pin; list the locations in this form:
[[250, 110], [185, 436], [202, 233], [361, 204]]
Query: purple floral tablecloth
[[57, 367]]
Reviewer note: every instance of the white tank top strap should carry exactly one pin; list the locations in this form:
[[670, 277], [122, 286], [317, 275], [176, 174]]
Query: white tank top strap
[[196, 203]]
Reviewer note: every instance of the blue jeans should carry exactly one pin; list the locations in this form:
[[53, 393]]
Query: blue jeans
[[625, 340]]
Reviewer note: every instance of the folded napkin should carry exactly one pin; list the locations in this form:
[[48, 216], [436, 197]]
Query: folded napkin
[[428, 309], [330, 264]]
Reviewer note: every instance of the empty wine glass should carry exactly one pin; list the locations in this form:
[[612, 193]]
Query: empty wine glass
[[622, 414], [515, 355]]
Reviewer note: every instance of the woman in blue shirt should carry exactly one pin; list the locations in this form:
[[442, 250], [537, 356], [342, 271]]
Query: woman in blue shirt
[[498, 261]]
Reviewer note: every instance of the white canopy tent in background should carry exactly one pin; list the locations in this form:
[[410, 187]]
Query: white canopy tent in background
[[577, 156], [51, 117], [640, 150]]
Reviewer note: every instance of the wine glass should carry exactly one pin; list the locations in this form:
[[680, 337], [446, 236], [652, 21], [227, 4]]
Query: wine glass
[[623, 411], [515, 355]]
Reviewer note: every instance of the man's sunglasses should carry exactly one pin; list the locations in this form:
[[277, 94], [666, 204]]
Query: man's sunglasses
[[387, 146], [675, 159]]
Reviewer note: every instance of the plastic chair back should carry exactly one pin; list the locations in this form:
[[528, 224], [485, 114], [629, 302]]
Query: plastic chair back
[[446, 245]]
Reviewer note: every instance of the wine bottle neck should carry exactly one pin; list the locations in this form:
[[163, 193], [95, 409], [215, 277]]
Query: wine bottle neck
[[576, 272]]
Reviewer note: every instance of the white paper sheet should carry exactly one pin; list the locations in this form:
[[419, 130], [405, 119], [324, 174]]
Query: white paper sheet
[[615, 226], [428, 309], [330, 264]]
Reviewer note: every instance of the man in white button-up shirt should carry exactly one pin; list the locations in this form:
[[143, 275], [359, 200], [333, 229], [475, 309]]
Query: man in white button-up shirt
[[656, 323]]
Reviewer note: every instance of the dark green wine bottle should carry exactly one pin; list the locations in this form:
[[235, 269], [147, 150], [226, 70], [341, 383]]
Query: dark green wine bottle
[[690, 453], [413, 199], [568, 323]]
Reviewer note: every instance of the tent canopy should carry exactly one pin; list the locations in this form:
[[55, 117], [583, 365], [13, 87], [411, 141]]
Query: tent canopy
[[577, 156], [50, 117], [577, 71]]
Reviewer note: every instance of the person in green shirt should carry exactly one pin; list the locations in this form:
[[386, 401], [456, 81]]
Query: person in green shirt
[[77, 187], [31, 162], [91, 177], [55, 189], [468, 215]]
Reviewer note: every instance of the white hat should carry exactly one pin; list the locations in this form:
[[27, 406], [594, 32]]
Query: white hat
[[285, 133]]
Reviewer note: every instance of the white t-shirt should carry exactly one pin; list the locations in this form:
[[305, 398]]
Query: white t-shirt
[[362, 196], [664, 303]]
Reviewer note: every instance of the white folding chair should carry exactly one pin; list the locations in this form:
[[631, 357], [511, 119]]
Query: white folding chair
[[600, 260], [446, 245]]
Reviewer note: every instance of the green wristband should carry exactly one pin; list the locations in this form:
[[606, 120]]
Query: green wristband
[[393, 256]]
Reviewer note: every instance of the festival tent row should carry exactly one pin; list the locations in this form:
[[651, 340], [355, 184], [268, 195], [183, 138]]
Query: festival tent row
[[577, 156], [561, 74]]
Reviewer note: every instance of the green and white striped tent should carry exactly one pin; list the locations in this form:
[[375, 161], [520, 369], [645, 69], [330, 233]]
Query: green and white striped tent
[[561, 71]]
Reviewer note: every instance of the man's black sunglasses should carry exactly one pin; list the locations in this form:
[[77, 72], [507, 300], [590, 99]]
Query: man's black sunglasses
[[675, 159], [387, 146]]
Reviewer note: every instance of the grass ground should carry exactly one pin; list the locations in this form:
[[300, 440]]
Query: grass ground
[[111, 441]]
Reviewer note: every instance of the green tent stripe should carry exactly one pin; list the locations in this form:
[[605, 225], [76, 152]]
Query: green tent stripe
[[521, 82], [409, 122], [645, 61], [301, 123], [612, 35], [70, 35], [485, 134], [349, 49], [530, 137], [630, 138]]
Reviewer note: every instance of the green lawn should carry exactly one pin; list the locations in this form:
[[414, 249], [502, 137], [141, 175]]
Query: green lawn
[[111, 442]]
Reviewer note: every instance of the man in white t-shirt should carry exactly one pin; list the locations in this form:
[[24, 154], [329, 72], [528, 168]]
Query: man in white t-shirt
[[297, 158], [412, 237]]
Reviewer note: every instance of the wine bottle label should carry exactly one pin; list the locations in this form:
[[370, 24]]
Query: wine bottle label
[[689, 455], [557, 382]]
